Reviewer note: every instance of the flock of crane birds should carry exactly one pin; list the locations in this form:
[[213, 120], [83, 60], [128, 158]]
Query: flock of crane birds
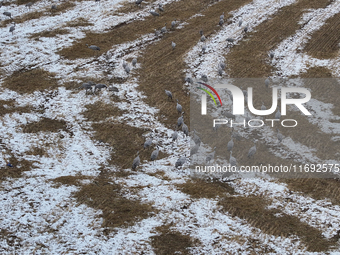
[[47, 218]]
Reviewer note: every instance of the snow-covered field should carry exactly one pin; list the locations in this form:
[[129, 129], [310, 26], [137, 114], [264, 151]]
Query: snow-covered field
[[39, 217]]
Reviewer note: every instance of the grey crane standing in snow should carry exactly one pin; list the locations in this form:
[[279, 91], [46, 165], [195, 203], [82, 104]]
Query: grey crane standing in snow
[[113, 89], [245, 29], [173, 24], [136, 162], [240, 23], [134, 62], [99, 87], [194, 150], [178, 107], [87, 86], [204, 78], [203, 38], [174, 135], [220, 71], [173, 45], [154, 154], [8, 14], [222, 65], [188, 79], [210, 156], [180, 120], [156, 33], [222, 16], [231, 40], [147, 143], [185, 129], [160, 7], [266, 82], [155, 14], [139, 2], [247, 120], [271, 55], [29, 5], [127, 69], [54, 7], [278, 115], [196, 138], [124, 64], [263, 107], [12, 28], [204, 48], [163, 29], [169, 94], [252, 151], [230, 145], [279, 136], [201, 32], [181, 161], [221, 22], [232, 160]]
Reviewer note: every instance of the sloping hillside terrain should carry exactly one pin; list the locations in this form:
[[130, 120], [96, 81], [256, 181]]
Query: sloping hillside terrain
[[67, 185]]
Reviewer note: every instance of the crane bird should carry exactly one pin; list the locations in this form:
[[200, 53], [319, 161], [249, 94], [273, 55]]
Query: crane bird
[[87, 86], [155, 14], [279, 136], [163, 30], [29, 5], [134, 62], [194, 149], [232, 160], [136, 162], [127, 69], [278, 115], [210, 156], [188, 79], [266, 82], [113, 89], [154, 154], [54, 7], [185, 129], [229, 115], [222, 16], [204, 48], [196, 138], [201, 32], [93, 47], [174, 135], [252, 151], [240, 23], [160, 7], [181, 161], [204, 78], [173, 24], [230, 144], [203, 38], [245, 29], [222, 65], [12, 28], [179, 107], [271, 55], [169, 94], [147, 143], [173, 45], [139, 2], [220, 71], [180, 120], [8, 14], [221, 22], [99, 86]]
